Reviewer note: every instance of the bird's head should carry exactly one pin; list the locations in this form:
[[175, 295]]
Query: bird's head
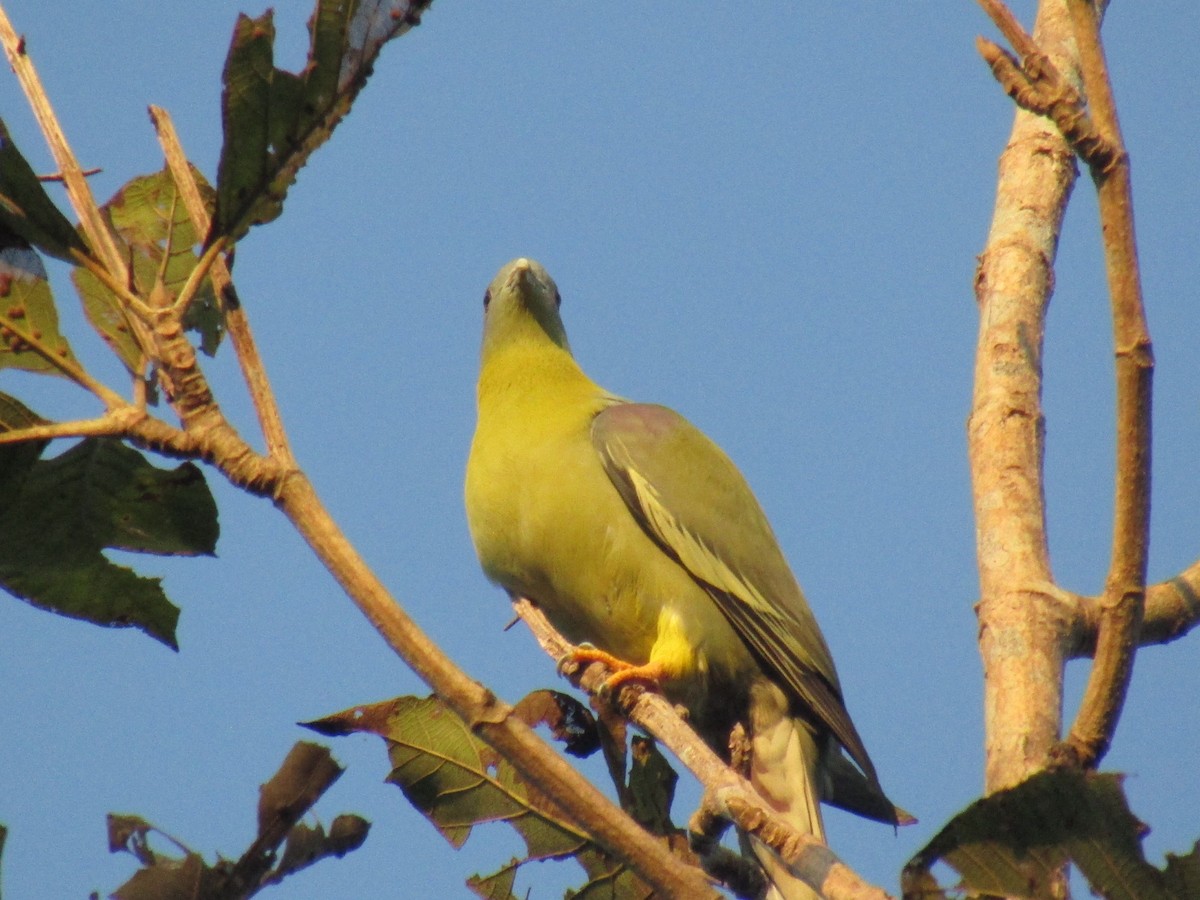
[[522, 303]]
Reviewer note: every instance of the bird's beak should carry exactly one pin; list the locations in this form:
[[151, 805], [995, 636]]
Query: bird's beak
[[520, 273]]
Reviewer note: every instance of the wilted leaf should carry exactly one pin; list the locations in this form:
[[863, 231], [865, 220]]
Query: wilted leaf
[[25, 208], [307, 844], [286, 798], [651, 787], [568, 720], [274, 120], [188, 878], [608, 880], [27, 314], [151, 223], [305, 774], [1014, 842], [102, 494], [458, 782]]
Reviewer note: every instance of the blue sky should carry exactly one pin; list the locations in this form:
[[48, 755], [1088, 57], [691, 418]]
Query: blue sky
[[764, 215]]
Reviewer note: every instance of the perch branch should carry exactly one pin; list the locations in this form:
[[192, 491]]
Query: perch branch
[[727, 794]]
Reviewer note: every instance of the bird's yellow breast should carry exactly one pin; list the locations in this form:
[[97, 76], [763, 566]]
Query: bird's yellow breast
[[548, 524]]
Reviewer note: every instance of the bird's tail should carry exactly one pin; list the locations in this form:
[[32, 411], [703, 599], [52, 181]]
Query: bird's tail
[[787, 771]]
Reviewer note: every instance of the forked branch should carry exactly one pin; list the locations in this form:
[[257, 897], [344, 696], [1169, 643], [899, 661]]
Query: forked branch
[[1094, 135]]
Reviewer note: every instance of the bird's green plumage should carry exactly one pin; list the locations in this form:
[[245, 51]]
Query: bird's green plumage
[[634, 532]]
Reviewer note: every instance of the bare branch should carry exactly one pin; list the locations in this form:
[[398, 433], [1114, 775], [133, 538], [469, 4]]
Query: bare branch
[[1122, 605], [1036, 84], [114, 424], [1172, 610], [727, 794], [1023, 625], [58, 176], [78, 190], [237, 324]]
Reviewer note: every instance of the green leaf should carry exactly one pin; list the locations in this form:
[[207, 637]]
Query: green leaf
[[28, 318], [274, 120], [96, 495], [17, 459], [1182, 876], [458, 783], [26, 209], [151, 225], [1014, 842]]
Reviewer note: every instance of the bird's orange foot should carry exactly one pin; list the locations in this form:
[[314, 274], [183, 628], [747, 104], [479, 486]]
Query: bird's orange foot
[[649, 676]]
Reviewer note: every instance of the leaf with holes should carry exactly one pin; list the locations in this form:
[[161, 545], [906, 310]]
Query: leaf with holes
[[99, 494], [458, 783]]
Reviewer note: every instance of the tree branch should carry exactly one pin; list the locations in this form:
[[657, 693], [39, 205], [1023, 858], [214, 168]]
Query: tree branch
[[237, 325], [1023, 625], [1121, 607], [1036, 84], [207, 435], [488, 716], [1172, 610], [78, 190], [726, 794]]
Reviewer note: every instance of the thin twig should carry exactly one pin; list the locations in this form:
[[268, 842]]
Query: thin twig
[[57, 177], [78, 190], [64, 363], [1123, 602], [236, 323], [726, 792], [103, 426], [196, 277], [1037, 85]]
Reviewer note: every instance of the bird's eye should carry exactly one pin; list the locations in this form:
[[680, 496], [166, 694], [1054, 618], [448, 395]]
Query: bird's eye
[[557, 299], [487, 298]]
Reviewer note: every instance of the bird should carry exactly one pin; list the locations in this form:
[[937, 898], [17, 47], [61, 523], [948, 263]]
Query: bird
[[639, 538]]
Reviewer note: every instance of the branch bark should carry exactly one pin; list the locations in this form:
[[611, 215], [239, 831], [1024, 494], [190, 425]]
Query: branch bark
[[1093, 133], [1023, 623], [1122, 605]]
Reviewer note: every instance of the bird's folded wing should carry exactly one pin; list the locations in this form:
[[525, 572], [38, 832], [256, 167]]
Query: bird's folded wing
[[694, 503]]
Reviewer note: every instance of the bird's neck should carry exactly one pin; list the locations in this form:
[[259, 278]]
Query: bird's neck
[[531, 373]]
